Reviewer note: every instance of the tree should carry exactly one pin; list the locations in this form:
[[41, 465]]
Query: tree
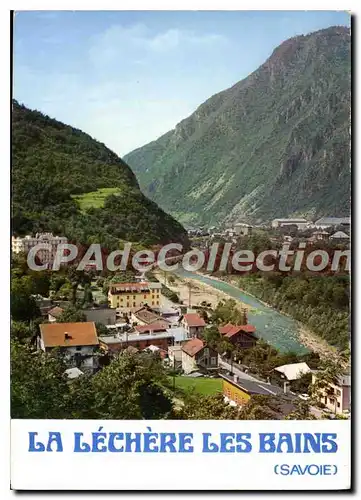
[[260, 407], [203, 314], [101, 329], [262, 358], [23, 305], [227, 311], [65, 292], [20, 331], [301, 412], [71, 315], [131, 387], [57, 280], [38, 385], [77, 278], [200, 407], [88, 296], [327, 375], [302, 384], [212, 336]]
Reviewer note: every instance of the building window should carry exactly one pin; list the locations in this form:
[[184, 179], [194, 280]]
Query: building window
[[338, 392], [206, 351], [338, 405], [157, 302], [134, 304], [152, 302], [213, 361], [127, 304], [145, 296]]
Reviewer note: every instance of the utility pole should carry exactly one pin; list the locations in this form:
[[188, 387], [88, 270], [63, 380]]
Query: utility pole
[[173, 372]]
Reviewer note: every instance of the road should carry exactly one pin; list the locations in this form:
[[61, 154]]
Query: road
[[233, 369]]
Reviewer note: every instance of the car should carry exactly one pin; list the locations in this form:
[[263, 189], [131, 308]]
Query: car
[[305, 397]]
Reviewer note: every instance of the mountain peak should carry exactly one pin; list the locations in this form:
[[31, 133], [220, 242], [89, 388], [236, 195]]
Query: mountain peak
[[274, 144]]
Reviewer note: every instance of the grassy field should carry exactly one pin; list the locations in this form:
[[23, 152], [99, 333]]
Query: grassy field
[[94, 199], [203, 385]]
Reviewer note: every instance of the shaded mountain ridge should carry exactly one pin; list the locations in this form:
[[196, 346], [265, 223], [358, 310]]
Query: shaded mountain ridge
[[53, 163]]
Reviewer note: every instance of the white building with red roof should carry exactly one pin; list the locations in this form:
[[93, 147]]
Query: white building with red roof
[[78, 342], [196, 355], [193, 324]]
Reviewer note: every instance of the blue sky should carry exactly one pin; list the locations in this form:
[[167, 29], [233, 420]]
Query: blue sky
[[127, 77]]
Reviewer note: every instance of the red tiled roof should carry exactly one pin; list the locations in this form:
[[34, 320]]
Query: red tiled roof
[[229, 330], [56, 311], [148, 316], [192, 347], [248, 328], [193, 319], [160, 326], [69, 334]]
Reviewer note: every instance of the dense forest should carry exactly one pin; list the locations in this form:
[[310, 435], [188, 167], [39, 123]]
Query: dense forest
[[52, 163], [320, 302], [275, 144]]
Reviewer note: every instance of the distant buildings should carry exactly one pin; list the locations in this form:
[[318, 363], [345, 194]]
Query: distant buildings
[[241, 229], [76, 341], [319, 236], [125, 296], [300, 223], [45, 256], [339, 236], [326, 222], [196, 355]]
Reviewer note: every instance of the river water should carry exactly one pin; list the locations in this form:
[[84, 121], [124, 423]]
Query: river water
[[276, 328]]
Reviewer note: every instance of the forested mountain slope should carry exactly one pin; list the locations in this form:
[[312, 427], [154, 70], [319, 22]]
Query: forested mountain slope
[[53, 164]]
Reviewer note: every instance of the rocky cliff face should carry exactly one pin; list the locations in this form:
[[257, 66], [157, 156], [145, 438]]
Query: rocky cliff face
[[277, 143]]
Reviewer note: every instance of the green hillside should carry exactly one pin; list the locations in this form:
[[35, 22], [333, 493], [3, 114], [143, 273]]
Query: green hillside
[[275, 144], [66, 182]]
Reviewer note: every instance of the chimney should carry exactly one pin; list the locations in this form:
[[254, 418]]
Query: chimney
[[67, 336], [235, 378], [285, 386], [268, 381]]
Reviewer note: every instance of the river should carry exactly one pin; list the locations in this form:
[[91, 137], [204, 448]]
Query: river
[[279, 330]]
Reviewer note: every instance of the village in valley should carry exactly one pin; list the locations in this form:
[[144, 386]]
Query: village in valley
[[181, 242], [202, 338]]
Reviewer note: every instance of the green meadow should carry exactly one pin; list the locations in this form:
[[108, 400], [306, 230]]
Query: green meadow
[[202, 385], [94, 199]]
